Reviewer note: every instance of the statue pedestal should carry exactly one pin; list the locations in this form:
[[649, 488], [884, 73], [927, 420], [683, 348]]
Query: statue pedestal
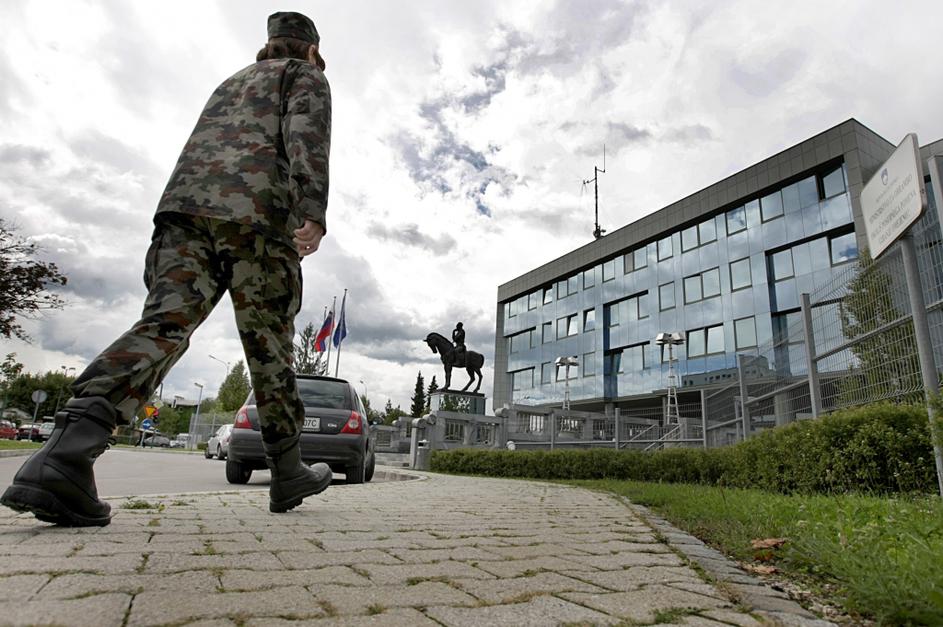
[[461, 402]]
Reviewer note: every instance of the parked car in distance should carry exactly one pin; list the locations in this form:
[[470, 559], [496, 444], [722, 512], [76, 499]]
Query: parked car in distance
[[27, 431], [334, 432], [156, 439], [45, 430], [218, 445], [8, 430], [181, 441]]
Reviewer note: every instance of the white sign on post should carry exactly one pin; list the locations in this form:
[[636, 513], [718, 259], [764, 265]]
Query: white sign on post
[[894, 198]]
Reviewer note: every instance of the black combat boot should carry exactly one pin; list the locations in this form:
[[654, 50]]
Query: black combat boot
[[292, 481], [57, 484]]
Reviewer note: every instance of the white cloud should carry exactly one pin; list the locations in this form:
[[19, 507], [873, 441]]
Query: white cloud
[[440, 110]]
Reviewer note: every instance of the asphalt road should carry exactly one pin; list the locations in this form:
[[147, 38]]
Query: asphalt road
[[130, 472]]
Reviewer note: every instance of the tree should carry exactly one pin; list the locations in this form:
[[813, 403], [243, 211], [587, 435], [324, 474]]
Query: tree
[[24, 282], [235, 388], [10, 369], [887, 364], [19, 390], [418, 399], [306, 358], [390, 413], [432, 388], [372, 414]]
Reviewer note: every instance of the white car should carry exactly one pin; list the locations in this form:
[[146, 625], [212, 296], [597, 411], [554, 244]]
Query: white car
[[181, 441], [219, 443]]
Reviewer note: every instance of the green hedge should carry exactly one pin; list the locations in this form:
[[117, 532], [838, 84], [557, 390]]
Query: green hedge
[[879, 448]]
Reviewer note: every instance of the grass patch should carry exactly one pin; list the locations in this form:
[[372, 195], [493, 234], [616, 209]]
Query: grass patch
[[879, 556], [6, 445], [375, 609], [142, 504]]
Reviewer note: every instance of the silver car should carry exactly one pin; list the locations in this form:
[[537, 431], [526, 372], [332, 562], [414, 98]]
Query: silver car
[[218, 445]]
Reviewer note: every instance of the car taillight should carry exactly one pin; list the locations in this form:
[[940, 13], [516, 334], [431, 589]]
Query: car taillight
[[242, 419], [354, 424]]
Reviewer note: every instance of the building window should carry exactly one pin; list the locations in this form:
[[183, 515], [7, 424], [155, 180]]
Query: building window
[[808, 192], [589, 278], [615, 363], [642, 300], [546, 373], [782, 265], [843, 248], [633, 358], [626, 310], [609, 270], [523, 340], [640, 257], [702, 286], [698, 235], [568, 287], [708, 341], [548, 295], [740, 276], [736, 220], [666, 296], [562, 372], [771, 206], [533, 300], [523, 379], [547, 332], [833, 183], [707, 231], [589, 320], [589, 364], [689, 239], [567, 326], [664, 248], [744, 331]]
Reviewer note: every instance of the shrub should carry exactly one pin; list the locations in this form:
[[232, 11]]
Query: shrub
[[201, 446], [878, 448]]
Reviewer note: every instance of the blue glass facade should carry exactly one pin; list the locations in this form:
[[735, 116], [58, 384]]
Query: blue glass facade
[[727, 281]]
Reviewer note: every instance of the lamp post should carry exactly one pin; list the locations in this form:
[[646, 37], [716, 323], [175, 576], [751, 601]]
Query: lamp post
[[225, 363], [671, 340], [65, 373], [566, 362], [195, 417]]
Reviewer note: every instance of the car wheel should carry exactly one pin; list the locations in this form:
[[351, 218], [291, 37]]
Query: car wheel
[[237, 472], [207, 454], [371, 466], [356, 473], [219, 452]]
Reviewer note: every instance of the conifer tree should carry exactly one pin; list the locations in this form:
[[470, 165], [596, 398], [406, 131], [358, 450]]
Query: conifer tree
[[433, 386], [419, 398]]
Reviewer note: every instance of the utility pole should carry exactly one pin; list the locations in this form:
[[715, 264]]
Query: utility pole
[[597, 231]]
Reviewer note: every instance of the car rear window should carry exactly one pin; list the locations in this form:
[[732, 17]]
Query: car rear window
[[319, 393]]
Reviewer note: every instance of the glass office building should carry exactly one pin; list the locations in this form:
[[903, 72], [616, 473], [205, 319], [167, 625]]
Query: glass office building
[[724, 267]]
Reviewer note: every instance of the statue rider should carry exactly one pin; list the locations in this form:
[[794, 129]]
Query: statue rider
[[458, 337]]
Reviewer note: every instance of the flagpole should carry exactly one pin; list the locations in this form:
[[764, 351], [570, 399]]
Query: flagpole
[[337, 366], [330, 337]]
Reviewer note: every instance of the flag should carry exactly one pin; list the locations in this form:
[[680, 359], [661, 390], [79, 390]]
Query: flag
[[320, 341], [341, 332]]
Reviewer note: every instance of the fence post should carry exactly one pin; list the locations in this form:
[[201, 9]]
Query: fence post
[[615, 430], [815, 392], [918, 308], [553, 428], [744, 405], [704, 418]]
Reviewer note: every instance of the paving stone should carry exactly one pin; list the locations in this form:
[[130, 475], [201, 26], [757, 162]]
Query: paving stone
[[539, 612], [103, 610], [516, 568], [452, 543], [76, 585], [637, 576], [788, 619], [642, 605], [618, 546], [56, 549], [398, 617], [236, 580], [345, 601], [618, 561], [156, 608], [536, 550], [114, 564], [111, 548], [320, 559], [21, 586], [507, 590], [461, 553], [406, 572], [733, 618], [169, 563]]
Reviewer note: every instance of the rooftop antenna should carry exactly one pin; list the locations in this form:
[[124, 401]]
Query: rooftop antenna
[[597, 232]]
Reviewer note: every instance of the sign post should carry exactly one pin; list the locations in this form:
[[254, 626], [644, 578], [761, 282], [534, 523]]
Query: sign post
[[39, 397], [891, 202]]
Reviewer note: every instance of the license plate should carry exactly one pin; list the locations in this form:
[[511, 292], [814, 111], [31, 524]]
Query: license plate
[[312, 424]]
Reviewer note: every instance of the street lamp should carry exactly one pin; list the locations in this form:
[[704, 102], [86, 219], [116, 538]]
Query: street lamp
[[225, 363], [195, 417], [65, 373], [673, 415], [366, 390], [566, 362]]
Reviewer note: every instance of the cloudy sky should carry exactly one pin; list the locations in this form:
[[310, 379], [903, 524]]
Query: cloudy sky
[[462, 132]]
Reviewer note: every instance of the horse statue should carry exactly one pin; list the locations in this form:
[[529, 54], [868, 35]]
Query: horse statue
[[446, 349]]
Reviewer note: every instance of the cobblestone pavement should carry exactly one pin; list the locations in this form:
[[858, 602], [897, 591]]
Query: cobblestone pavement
[[437, 551]]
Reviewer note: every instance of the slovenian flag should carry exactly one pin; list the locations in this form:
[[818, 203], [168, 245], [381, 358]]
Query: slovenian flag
[[320, 342], [341, 331]]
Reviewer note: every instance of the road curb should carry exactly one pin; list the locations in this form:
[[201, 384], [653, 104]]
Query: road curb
[[23, 452]]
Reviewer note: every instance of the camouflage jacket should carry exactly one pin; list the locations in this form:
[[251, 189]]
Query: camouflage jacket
[[259, 153]]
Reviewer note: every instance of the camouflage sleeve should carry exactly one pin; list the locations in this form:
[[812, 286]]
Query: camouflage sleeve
[[306, 129]]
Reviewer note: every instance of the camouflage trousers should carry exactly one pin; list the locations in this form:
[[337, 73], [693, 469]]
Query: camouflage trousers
[[191, 263]]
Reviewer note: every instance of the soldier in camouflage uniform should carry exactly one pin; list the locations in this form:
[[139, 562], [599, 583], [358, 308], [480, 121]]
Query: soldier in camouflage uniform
[[245, 202]]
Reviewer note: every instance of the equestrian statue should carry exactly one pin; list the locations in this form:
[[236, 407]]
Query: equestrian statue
[[455, 354]]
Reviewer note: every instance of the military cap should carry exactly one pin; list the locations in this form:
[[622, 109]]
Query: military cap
[[291, 24]]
